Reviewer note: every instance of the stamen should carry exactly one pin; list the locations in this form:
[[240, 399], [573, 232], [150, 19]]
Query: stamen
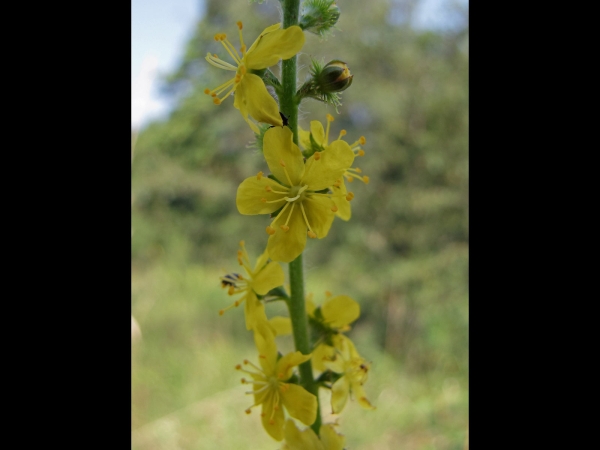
[[259, 176], [329, 120], [242, 45], [231, 50], [334, 208], [362, 140], [350, 196], [207, 91], [361, 152], [270, 229], [317, 156], [342, 133], [285, 227], [311, 233], [328, 294], [214, 60], [282, 164]]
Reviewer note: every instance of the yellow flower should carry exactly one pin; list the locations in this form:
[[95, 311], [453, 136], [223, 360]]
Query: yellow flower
[[333, 317], [251, 95], [270, 389], [304, 210], [264, 277], [308, 440], [317, 139], [354, 370]]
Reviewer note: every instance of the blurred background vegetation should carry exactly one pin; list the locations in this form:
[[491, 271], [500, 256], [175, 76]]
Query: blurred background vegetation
[[403, 256]]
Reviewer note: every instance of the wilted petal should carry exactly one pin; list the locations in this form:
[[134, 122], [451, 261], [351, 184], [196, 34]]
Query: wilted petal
[[339, 394], [359, 395]]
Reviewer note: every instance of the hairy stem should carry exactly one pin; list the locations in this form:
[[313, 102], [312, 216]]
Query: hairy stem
[[289, 106]]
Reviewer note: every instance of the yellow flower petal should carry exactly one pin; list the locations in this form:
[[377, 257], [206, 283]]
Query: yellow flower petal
[[320, 355], [304, 139], [281, 325], [318, 133], [266, 31], [359, 394], [319, 214], [264, 339], [252, 98], [300, 403], [250, 193], [261, 262], [339, 394], [344, 211], [301, 440], [273, 46], [273, 419], [278, 146], [331, 440], [285, 246], [286, 364], [254, 310], [268, 278], [340, 311], [331, 165]]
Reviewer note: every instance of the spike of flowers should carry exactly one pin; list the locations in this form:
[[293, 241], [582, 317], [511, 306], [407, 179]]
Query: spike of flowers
[[251, 96]]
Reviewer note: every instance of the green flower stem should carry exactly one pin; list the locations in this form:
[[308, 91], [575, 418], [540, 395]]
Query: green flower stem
[[299, 321], [289, 106]]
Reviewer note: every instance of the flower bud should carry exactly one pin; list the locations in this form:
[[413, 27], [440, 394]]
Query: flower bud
[[319, 16], [335, 77]]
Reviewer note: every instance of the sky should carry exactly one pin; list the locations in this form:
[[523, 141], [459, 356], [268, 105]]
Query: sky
[[160, 30]]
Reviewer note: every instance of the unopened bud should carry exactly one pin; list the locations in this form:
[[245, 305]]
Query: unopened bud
[[335, 77]]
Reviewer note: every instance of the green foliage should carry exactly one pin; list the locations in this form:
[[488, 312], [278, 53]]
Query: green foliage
[[403, 255]]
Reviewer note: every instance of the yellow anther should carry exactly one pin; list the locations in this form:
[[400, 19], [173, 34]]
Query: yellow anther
[[264, 200], [268, 188], [349, 179], [262, 356], [213, 94], [215, 56], [357, 170], [262, 414], [271, 422], [350, 196], [207, 91], [281, 163], [231, 290], [242, 243], [218, 37], [270, 230], [240, 261], [248, 411], [328, 294], [221, 312], [239, 24], [276, 407], [258, 177], [361, 152], [243, 381], [243, 70], [317, 156], [366, 179], [330, 118], [334, 208], [238, 367], [362, 140], [343, 133], [312, 234], [216, 101], [285, 228], [237, 303]]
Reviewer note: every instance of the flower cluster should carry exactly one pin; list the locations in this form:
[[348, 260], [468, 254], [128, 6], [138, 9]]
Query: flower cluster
[[302, 193]]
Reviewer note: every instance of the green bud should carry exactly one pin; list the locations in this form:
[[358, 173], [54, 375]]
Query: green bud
[[335, 77], [319, 16]]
